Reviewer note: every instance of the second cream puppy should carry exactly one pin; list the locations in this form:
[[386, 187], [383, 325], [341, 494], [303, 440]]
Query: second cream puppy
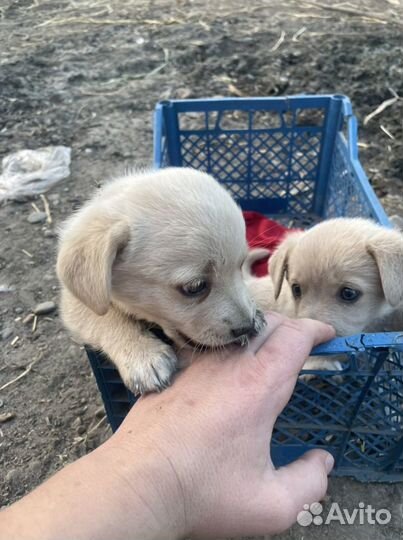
[[347, 272]]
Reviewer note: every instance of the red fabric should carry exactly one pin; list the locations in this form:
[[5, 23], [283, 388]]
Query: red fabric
[[264, 233]]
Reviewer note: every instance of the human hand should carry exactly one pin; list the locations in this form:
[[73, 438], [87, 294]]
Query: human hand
[[193, 460], [207, 439]]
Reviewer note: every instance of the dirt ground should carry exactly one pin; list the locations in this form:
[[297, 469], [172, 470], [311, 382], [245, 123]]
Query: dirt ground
[[87, 75]]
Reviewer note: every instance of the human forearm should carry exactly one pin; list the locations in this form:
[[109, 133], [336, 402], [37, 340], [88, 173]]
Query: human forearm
[[92, 499]]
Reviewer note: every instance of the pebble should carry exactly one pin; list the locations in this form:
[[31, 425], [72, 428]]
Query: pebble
[[100, 412], [37, 217], [6, 333], [49, 234], [44, 307], [19, 310]]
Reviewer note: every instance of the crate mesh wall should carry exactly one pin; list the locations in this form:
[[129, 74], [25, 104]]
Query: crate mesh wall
[[345, 196], [280, 163], [356, 415]]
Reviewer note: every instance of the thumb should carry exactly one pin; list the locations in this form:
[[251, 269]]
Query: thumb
[[303, 482]]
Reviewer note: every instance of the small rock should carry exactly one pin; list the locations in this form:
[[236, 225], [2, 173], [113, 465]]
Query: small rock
[[19, 310], [100, 412], [37, 217], [44, 307], [49, 234], [6, 333]]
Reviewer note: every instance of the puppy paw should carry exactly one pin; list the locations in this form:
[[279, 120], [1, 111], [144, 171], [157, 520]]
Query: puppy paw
[[149, 370], [322, 364]]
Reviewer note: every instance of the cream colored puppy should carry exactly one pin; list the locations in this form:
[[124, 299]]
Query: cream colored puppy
[[161, 248], [347, 272]]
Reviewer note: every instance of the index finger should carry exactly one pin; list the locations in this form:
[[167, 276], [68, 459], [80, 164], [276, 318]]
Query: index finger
[[292, 340], [282, 355]]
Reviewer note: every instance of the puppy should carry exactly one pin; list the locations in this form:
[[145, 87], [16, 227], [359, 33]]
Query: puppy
[[347, 272], [161, 248]]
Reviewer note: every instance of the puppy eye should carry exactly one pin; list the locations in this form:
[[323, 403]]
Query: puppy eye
[[349, 295], [296, 290], [194, 288]]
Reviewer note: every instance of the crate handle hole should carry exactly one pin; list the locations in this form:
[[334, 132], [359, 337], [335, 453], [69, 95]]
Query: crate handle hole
[[192, 121], [310, 117]]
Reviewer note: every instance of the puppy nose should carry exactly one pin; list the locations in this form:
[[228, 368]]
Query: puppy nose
[[243, 330]]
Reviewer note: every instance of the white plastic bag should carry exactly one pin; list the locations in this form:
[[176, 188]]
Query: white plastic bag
[[30, 172]]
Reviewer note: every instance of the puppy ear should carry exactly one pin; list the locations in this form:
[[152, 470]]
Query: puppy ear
[[84, 265], [278, 262], [254, 255], [386, 247]]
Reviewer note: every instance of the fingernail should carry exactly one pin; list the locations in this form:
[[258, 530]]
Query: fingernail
[[329, 463]]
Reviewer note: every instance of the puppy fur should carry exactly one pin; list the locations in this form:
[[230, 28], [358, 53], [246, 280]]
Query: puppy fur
[[127, 256], [340, 253]]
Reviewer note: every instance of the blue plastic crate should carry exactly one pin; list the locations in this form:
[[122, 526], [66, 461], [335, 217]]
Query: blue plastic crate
[[296, 160]]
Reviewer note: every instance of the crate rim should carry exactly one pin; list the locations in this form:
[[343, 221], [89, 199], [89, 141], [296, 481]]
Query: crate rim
[[246, 103], [360, 342]]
